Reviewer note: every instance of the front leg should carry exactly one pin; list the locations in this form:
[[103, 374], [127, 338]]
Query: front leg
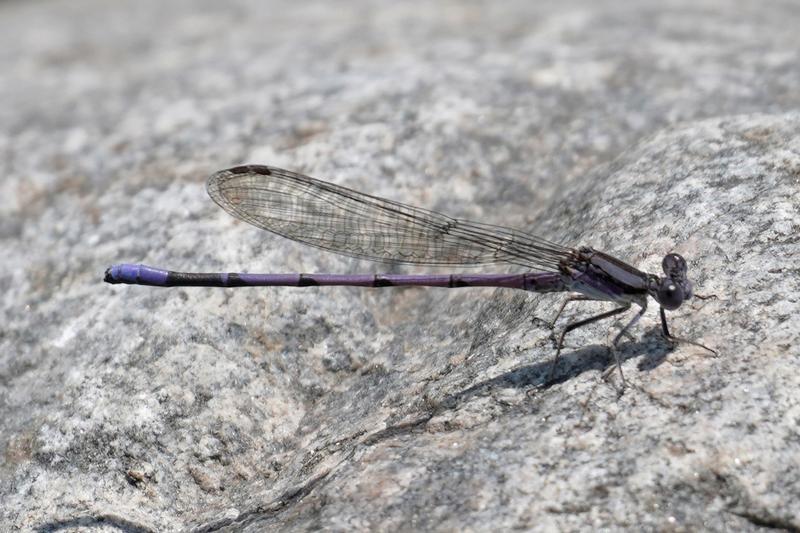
[[672, 338]]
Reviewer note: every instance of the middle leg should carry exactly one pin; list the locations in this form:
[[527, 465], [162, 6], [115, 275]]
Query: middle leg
[[576, 325], [622, 332]]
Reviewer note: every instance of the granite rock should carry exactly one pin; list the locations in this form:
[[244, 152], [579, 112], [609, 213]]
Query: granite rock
[[638, 129]]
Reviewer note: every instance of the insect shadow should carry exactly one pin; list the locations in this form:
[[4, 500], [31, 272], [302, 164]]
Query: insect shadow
[[651, 348]]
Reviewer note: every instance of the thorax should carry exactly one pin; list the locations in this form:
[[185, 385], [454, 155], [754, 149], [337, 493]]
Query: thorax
[[603, 277]]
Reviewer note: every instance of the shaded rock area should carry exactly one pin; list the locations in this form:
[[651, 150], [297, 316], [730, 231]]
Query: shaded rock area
[[637, 128]]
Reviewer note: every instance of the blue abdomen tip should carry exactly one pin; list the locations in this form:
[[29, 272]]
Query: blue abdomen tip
[[136, 275]]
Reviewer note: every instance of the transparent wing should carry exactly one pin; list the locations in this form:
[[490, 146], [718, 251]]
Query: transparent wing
[[351, 223]]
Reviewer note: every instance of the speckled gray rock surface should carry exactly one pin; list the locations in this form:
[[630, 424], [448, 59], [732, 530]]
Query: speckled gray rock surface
[[639, 128]]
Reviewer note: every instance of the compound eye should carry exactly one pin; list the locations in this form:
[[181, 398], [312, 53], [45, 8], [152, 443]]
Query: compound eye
[[670, 294], [674, 265], [688, 289]]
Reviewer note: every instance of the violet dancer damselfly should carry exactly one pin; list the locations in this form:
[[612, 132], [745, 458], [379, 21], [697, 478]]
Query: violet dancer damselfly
[[360, 225]]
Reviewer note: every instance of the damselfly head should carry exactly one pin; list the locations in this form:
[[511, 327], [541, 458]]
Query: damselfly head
[[669, 294], [673, 288]]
